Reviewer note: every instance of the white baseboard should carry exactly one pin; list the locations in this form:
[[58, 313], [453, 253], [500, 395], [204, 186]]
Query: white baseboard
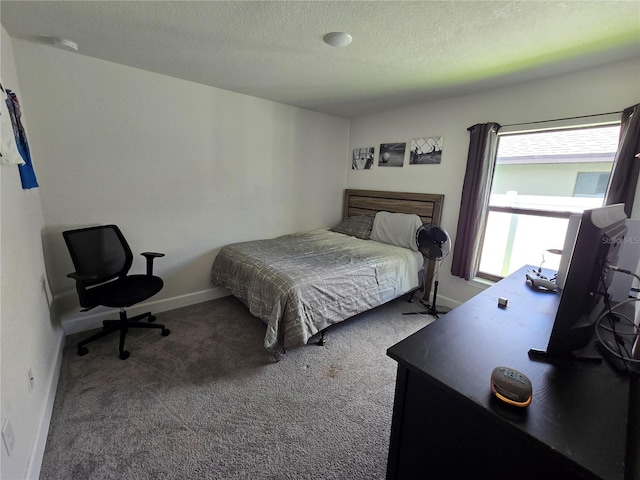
[[76, 321], [37, 452]]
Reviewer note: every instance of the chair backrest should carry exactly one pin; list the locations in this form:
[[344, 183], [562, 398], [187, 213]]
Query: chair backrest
[[101, 251]]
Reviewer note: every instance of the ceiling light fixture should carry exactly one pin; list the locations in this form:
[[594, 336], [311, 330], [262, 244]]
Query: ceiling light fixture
[[338, 39], [65, 44]]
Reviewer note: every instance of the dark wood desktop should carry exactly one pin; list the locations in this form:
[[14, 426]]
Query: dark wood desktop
[[447, 425]]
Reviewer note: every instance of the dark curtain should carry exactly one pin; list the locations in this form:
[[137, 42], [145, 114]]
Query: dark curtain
[[624, 178], [476, 189]]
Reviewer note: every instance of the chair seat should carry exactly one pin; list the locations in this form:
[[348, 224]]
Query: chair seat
[[125, 291]]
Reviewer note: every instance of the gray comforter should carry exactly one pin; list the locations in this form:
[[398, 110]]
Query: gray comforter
[[300, 284]]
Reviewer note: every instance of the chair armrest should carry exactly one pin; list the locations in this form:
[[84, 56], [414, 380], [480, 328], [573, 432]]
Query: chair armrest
[[81, 277], [150, 256]]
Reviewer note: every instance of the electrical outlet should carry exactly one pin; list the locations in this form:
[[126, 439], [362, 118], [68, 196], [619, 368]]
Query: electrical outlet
[[30, 380], [7, 437]]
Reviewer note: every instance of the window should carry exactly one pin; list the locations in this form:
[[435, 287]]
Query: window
[[540, 179], [591, 184]]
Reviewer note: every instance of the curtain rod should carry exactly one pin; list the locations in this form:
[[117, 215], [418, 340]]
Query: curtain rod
[[561, 119]]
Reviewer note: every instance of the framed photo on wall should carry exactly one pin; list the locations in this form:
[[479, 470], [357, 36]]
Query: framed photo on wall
[[426, 151], [391, 154], [362, 158]]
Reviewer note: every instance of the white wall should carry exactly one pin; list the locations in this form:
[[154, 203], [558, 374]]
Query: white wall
[[594, 91], [182, 168], [29, 337], [185, 169]]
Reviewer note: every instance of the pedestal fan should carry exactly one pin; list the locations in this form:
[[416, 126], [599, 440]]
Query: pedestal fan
[[434, 243]]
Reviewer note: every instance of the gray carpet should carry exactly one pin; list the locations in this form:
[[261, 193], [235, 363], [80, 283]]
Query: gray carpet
[[208, 401]]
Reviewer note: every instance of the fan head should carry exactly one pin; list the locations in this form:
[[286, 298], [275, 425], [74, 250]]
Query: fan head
[[433, 241]]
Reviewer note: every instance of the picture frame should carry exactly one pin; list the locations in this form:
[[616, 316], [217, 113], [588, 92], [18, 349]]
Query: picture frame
[[362, 158], [391, 154], [426, 151]]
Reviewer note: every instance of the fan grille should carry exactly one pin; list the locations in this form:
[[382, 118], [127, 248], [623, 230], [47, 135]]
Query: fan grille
[[433, 241]]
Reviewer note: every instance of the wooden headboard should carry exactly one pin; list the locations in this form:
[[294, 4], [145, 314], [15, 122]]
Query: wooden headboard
[[428, 206]]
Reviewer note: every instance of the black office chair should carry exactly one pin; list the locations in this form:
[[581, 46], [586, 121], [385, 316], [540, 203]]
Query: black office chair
[[102, 258]]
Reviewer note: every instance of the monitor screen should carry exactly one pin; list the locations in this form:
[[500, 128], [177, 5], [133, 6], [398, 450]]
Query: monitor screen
[[597, 244]]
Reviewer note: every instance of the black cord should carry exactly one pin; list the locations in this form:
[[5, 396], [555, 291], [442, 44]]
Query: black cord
[[611, 317], [626, 358]]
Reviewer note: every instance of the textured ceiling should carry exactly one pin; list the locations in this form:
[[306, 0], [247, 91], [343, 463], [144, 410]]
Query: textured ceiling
[[402, 52]]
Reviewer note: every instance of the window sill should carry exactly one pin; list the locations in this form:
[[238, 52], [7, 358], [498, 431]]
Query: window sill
[[480, 283]]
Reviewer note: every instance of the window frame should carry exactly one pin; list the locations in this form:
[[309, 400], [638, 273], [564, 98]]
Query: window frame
[[522, 129]]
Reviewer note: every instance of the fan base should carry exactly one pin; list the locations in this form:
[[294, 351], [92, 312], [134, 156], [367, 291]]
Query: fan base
[[432, 311]]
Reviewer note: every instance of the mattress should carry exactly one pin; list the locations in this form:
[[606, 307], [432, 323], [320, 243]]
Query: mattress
[[300, 284]]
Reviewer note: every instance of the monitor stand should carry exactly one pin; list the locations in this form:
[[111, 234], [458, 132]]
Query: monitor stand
[[579, 356]]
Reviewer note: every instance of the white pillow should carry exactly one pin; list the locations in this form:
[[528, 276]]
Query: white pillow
[[396, 229]]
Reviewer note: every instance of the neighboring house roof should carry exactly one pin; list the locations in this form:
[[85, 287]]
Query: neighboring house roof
[[597, 144]]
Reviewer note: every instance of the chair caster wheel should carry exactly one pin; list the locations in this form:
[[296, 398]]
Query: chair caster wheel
[[124, 355], [152, 318], [165, 332], [82, 351]]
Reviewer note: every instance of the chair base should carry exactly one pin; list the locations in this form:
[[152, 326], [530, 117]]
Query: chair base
[[122, 325]]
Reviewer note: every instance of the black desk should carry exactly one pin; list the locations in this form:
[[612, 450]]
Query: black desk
[[447, 425]]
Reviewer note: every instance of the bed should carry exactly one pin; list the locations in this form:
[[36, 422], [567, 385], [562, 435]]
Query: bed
[[302, 283]]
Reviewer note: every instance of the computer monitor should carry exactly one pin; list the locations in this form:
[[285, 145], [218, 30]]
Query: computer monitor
[[597, 244]]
